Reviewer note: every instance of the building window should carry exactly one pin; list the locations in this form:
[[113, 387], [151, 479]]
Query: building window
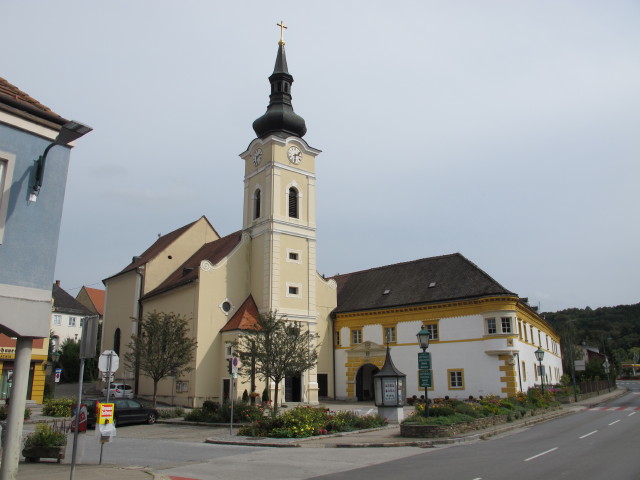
[[116, 341], [356, 337], [57, 320], [505, 324], [293, 202], [390, 334], [526, 335], [524, 373], [491, 326], [256, 204], [456, 379], [531, 330], [228, 350], [82, 321], [293, 256], [293, 289], [72, 321], [6, 174], [337, 339], [433, 331]]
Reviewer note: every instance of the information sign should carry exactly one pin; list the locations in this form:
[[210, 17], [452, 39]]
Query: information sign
[[425, 377], [424, 361]]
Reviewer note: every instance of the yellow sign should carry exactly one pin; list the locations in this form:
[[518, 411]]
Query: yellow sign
[[105, 413]]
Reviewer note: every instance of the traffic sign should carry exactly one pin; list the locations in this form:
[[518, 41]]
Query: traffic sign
[[58, 373], [235, 362], [426, 377], [424, 361], [108, 361]]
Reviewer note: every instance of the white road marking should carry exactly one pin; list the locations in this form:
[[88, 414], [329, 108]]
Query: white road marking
[[614, 422], [632, 413], [584, 436], [540, 454]]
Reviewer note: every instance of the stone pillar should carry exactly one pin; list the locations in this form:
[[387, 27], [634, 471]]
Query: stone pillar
[[15, 418]]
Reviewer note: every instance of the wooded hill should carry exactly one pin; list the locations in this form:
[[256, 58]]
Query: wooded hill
[[615, 331]]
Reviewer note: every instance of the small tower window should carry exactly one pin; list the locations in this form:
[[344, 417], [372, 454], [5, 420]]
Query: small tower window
[[293, 203], [256, 205]]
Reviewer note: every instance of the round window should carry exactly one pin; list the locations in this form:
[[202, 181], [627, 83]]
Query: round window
[[226, 306]]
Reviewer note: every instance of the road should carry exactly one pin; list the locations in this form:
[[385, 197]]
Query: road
[[590, 444]]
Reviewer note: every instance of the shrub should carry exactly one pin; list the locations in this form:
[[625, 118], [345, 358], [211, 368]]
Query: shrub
[[47, 436], [58, 407], [174, 412]]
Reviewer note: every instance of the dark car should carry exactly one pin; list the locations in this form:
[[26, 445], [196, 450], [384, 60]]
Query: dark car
[[125, 411]]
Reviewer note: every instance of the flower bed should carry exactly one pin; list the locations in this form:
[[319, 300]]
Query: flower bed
[[449, 417], [303, 422]]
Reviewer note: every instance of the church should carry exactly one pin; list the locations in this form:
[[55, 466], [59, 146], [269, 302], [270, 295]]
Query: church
[[480, 330]]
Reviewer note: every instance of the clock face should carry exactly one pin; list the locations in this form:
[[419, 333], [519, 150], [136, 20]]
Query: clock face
[[295, 155], [257, 156]]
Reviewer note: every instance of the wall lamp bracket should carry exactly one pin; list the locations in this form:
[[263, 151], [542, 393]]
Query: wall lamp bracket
[[69, 132]]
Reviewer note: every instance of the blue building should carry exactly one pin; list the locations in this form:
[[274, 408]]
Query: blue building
[[34, 159]]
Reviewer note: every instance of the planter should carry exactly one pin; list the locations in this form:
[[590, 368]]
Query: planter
[[36, 452]]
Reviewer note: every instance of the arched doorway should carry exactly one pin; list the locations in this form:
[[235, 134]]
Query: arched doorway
[[364, 382]]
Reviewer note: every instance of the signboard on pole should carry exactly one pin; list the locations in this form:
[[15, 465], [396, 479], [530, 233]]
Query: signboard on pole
[[425, 377], [424, 361], [57, 375], [108, 362]]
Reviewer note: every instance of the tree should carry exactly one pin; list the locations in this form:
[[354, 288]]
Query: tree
[[278, 348], [163, 347]]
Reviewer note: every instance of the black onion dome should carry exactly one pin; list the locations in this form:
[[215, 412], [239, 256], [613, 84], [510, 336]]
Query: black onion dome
[[280, 119]]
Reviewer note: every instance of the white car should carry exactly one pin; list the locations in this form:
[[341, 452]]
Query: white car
[[118, 390]]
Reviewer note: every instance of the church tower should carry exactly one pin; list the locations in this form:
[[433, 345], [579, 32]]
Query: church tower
[[280, 218]]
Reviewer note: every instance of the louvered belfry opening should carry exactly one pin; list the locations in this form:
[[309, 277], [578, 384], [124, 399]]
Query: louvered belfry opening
[[293, 203]]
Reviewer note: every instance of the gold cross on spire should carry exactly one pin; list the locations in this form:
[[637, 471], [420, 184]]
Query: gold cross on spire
[[282, 27]]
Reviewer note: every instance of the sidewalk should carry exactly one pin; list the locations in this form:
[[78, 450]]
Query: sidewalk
[[382, 437]]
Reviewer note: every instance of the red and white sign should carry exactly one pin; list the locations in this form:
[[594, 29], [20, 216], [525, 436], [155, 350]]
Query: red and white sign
[[105, 413]]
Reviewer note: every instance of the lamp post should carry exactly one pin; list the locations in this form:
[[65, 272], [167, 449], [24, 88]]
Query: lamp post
[[539, 353], [423, 340], [606, 366]]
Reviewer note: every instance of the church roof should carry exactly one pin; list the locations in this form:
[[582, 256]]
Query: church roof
[[246, 318], [155, 249], [280, 119], [428, 280], [189, 270], [65, 303], [14, 98]]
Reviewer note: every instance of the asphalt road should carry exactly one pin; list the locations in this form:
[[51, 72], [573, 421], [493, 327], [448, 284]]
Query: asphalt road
[[599, 443]]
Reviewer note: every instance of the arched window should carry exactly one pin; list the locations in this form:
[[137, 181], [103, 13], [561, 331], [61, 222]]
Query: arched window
[[256, 205], [293, 202], [116, 341]]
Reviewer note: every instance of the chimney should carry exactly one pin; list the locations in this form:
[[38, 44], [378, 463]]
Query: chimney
[[57, 283]]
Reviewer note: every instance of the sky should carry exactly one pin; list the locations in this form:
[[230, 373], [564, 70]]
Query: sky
[[506, 131]]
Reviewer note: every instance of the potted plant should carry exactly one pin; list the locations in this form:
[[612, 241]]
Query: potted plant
[[48, 441]]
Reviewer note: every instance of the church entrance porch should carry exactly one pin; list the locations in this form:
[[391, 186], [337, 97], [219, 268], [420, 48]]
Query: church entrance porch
[[364, 382]]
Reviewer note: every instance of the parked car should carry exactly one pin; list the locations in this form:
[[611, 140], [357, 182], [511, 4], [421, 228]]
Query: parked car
[[118, 390], [124, 411]]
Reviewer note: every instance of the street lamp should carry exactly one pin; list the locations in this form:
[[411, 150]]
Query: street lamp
[[539, 353], [423, 340], [69, 132], [606, 366]]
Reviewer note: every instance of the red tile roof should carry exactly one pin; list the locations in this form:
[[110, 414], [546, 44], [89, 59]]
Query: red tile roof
[[246, 318], [189, 270], [97, 298], [14, 97]]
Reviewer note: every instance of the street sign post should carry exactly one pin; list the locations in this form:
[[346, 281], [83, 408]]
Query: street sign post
[[57, 375], [426, 377]]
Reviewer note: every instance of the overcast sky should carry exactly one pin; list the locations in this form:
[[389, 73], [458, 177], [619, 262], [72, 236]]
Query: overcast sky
[[507, 131]]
